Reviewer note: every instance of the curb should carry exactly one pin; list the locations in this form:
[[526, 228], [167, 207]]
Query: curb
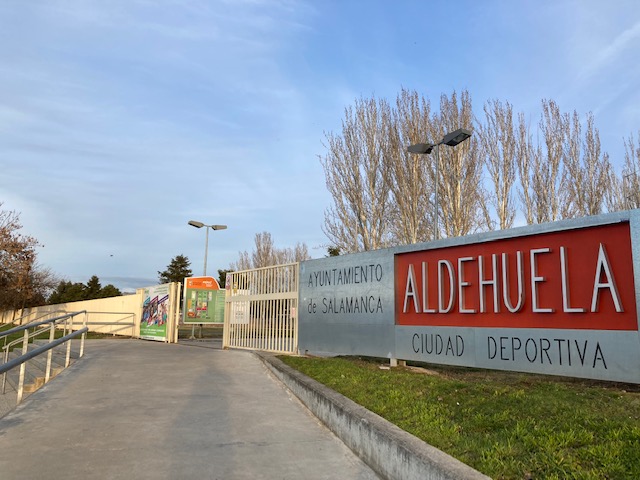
[[390, 451]]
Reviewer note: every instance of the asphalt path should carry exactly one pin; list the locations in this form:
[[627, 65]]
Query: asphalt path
[[133, 409]]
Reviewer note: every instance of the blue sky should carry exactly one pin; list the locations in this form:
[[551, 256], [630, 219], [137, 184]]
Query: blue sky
[[121, 120]]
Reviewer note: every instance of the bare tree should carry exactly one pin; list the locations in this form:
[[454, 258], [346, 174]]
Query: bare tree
[[552, 203], [526, 153], [615, 195], [243, 262], [587, 169], [498, 142], [543, 192], [23, 282], [411, 184], [357, 177], [265, 254], [299, 253], [629, 191], [461, 194]]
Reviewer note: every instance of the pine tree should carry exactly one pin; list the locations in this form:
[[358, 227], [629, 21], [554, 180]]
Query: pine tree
[[177, 270], [93, 288]]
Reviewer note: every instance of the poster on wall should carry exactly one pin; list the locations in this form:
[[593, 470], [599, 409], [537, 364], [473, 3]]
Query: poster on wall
[[203, 301], [155, 313]]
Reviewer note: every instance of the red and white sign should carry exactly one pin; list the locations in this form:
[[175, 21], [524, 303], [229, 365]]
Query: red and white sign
[[202, 283], [571, 279]]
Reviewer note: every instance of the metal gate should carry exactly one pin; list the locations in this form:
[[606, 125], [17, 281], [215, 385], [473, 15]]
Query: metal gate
[[262, 309]]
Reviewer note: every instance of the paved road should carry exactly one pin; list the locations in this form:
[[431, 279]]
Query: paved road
[[133, 409]]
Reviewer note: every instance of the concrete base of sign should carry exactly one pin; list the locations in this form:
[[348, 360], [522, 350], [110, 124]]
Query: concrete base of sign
[[394, 362], [388, 450]]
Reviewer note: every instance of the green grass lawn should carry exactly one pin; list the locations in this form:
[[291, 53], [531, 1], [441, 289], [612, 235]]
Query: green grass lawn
[[504, 424]]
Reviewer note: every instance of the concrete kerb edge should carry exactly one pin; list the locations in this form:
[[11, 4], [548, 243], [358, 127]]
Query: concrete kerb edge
[[390, 451]]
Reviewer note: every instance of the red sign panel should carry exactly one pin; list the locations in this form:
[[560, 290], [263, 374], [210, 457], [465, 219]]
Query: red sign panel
[[573, 279], [202, 283]]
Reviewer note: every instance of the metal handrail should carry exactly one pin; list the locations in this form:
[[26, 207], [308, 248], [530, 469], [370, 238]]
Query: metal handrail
[[5, 367], [27, 337], [33, 334], [36, 324], [26, 355], [44, 314]]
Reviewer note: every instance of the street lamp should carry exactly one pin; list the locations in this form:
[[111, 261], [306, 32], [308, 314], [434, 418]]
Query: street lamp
[[452, 139], [197, 224]]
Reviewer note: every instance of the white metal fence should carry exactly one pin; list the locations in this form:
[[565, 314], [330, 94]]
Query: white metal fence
[[262, 309]]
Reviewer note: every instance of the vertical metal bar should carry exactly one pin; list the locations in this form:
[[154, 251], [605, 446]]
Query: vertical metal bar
[[241, 331], [52, 334], [283, 322], [252, 282], [206, 250], [6, 357], [23, 366], [232, 313], [266, 322], [269, 320], [295, 327], [296, 282], [273, 311], [67, 360], [289, 326], [262, 308], [242, 283], [84, 324], [275, 308], [4, 376], [276, 333], [278, 312], [285, 325], [274, 325], [284, 310], [267, 304]]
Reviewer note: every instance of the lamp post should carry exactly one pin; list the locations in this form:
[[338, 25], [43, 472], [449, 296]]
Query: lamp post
[[452, 139], [197, 224]]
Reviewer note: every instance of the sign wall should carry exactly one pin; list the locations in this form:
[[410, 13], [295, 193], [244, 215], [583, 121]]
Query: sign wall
[[558, 298]]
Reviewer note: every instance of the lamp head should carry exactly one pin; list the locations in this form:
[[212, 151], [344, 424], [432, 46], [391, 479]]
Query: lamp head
[[196, 224], [218, 227], [421, 148], [454, 138]]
